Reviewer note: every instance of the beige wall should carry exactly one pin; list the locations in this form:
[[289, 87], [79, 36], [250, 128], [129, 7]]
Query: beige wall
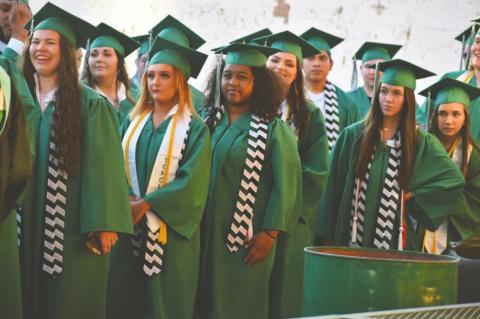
[[425, 28]]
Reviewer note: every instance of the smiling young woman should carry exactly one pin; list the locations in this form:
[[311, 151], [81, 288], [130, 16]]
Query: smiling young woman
[[307, 122], [105, 69], [450, 122], [78, 201], [387, 177]]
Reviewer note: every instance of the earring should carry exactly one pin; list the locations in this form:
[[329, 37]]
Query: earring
[[150, 100]]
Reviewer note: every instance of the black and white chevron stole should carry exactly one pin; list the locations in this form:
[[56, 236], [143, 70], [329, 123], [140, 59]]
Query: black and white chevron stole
[[390, 202], [19, 216], [243, 212], [55, 206], [332, 114]]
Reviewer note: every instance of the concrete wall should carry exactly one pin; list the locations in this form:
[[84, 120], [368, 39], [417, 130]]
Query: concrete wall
[[426, 28]]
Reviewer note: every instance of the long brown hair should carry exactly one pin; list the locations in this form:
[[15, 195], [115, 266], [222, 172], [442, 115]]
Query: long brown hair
[[122, 74], [67, 115], [183, 97], [465, 135], [297, 101], [408, 134]]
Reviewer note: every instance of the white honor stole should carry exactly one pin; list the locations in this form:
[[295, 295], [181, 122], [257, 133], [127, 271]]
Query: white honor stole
[[166, 162], [284, 113], [436, 242], [466, 76], [5, 97]]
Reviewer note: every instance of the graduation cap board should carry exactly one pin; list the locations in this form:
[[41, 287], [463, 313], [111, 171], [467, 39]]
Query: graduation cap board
[[449, 90], [402, 73], [106, 36], [376, 51], [370, 51], [286, 41], [52, 17], [144, 42], [246, 54], [187, 60], [175, 31], [248, 39], [321, 40]]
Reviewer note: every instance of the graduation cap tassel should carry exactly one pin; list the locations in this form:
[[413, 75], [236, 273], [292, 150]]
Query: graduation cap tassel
[[427, 111], [150, 41], [461, 52], [375, 82], [85, 59], [32, 26], [354, 81], [467, 62], [218, 81]]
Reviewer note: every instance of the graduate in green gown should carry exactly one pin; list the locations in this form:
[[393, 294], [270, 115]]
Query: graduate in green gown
[[140, 63], [369, 54], [104, 69], [168, 156], [450, 122], [173, 30], [337, 108], [255, 189], [306, 120], [387, 177], [15, 166], [469, 75], [14, 15], [78, 202]]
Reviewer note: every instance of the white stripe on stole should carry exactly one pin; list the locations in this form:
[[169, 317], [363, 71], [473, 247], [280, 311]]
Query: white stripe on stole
[[156, 178], [466, 76]]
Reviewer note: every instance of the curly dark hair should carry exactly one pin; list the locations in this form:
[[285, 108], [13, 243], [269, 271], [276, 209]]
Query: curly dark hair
[[67, 115], [122, 76], [266, 96], [297, 101]]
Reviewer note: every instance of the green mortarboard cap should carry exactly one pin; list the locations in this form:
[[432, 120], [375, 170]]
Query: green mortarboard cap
[[322, 41], [187, 60], [106, 36], [449, 90], [144, 43], [51, 17], [467, 36], [246, 54], [286, 41], [402, 73], [376, 51], [248, 39], [175, 31]]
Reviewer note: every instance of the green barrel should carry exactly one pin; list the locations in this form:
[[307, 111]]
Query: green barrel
[[340, 280]]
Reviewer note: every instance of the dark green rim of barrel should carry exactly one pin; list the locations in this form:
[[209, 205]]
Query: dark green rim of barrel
[[372, 254]]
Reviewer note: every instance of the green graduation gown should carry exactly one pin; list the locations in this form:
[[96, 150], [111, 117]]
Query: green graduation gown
[[287, 278], [465, 219], [229, 288], [180, 203], [15, 166], [361, 101], [97, 200], [436, 186]]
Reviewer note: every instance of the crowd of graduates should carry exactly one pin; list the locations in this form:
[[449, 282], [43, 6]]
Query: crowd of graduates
[[144, 197]]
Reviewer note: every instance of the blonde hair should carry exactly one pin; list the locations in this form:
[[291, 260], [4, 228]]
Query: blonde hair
[[182, 97]]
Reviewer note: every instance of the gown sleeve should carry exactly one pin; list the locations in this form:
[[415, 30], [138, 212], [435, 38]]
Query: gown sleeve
[[104, 202], [285, 202], [436, 185]]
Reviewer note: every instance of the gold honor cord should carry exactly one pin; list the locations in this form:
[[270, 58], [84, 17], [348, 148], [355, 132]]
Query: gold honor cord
[[162, 235]]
